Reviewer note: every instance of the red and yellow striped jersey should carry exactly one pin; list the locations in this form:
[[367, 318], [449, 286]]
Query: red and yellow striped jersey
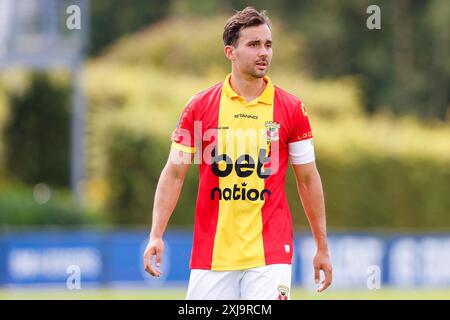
[[242, 218]]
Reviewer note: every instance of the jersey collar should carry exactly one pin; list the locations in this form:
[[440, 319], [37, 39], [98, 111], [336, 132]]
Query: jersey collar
[[265, 97]]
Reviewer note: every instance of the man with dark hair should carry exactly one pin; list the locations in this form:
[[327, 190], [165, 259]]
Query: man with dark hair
[[242, 132]]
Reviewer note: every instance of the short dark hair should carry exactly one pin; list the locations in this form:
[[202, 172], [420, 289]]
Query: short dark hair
[[249, 17]]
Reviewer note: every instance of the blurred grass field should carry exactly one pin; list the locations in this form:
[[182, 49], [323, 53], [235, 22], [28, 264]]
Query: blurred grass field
[[179, 294]]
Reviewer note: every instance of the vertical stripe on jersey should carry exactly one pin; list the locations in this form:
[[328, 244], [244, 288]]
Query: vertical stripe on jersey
[[238, 240], [277, 221], [206, 209]]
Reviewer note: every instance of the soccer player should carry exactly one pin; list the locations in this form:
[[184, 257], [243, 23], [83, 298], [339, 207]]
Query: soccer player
[[242, 132]]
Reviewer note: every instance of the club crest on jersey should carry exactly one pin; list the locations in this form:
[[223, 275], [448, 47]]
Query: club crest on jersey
[[282, 292], [272, 133]]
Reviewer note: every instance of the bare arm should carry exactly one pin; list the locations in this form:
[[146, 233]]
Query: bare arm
[[311, 194], [166, 197]]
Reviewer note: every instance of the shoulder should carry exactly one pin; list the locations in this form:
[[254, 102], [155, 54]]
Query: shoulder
[[287, 100], [202, 97]]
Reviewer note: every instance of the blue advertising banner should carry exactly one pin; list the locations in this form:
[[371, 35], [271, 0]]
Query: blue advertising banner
[[50, 257], [115, 258]]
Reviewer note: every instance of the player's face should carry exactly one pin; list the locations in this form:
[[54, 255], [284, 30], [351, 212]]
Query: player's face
[[252, 53]]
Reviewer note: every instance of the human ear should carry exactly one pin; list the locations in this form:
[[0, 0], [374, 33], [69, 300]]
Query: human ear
[[229, 52]]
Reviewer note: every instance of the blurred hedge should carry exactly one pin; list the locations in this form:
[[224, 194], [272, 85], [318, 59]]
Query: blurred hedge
[[135, 163], [381, 192], [367, 191], [18, 207]]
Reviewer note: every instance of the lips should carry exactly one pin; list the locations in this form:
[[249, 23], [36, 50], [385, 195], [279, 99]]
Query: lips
[[261, 64]]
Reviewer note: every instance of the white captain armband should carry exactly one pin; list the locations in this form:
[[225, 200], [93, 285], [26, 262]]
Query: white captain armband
[[301, 152]]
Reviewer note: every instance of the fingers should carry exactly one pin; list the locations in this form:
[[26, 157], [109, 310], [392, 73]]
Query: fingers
[[148, 262], [316, 274], [158, 258], [148, 257], [328, 278]]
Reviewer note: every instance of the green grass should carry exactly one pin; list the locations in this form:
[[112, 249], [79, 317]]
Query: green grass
[[179, 294]]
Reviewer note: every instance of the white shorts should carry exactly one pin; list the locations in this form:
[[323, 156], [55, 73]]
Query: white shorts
[[271, 282]]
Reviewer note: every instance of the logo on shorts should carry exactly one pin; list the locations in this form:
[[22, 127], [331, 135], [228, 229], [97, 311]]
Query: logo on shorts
[[282, 292], [272, 133]]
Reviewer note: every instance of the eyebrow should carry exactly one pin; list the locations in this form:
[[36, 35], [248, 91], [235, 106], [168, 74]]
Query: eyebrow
[[257, 41]]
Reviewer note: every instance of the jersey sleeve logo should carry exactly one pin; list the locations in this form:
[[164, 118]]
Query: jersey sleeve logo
[[302, 106]]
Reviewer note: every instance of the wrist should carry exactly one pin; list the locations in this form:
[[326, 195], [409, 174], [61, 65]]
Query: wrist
[[323, 248], [155, 235]]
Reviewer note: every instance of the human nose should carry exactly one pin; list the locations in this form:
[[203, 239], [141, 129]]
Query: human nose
[[263, 52]]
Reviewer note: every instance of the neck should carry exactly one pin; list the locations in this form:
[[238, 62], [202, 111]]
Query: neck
[[247, 86]]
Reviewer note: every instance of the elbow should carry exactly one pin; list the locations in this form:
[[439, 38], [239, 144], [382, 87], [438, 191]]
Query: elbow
[[174, 173]]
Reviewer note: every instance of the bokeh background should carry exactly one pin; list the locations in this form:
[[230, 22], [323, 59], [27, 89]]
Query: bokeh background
[[378, 102]]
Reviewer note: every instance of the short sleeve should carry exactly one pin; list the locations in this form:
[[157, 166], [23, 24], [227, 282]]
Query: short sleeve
[[300, 127], [183, 134]]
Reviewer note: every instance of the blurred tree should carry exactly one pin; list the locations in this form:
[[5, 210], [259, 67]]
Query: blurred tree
[[437, 64], [403, 52], [37, 134], [195, 7], [111, 19], [404, 66]]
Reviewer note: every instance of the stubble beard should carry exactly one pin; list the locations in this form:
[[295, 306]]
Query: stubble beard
[[259, 74]]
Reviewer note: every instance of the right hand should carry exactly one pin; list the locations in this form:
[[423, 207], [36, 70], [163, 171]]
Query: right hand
[[155, 247], [322, 262]]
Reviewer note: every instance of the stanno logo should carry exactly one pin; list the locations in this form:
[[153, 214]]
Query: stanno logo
[[242, 115]]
